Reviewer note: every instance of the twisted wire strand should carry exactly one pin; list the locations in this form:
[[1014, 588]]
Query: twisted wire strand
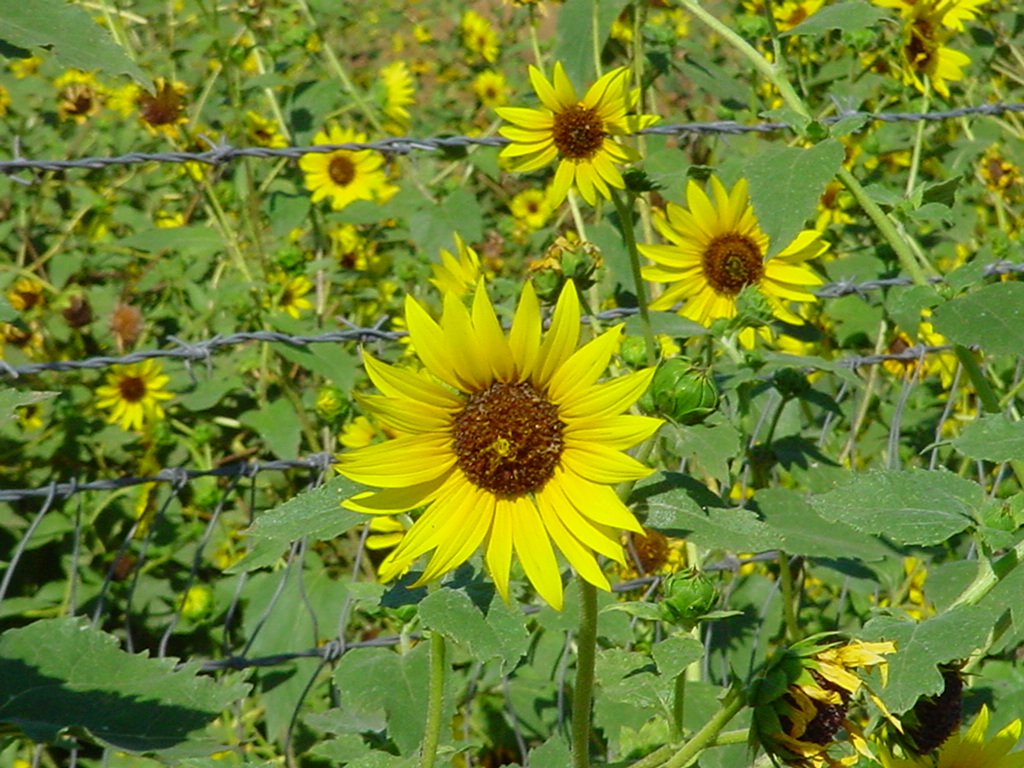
[[222, 153]]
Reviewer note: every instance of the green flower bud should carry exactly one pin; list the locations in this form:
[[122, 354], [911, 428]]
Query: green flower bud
[[688, 595], [684, 392], [634, 351], [330, 403], [548, 283], [790, 383]]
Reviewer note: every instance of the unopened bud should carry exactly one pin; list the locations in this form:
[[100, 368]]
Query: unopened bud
[[683, 391], [688, 596]]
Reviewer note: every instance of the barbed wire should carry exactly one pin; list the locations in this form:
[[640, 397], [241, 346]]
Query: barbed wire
[[222, 153], [202, 350]]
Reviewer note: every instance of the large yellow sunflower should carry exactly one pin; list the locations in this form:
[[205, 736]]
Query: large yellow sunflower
[[716, 249], [345, 176], [133, 393], [580, 132], [968, 750], [508, 441]]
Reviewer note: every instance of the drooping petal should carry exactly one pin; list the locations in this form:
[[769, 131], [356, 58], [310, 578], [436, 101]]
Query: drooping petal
[[580, 557], [596, 501], [498, 556], [533, 545]]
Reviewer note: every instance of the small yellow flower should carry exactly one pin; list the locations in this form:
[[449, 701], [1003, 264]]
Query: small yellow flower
[[716, 249], [580, 133], [531, 208], [5, 101], [22, 68], [163, 110], [26, 293], [288, 294], [344, 176], [479, 37], [358, 433], [491, 88], [457, 275], [263, 132], [398, 94], [122, 100], [133, 394], [79, 97], [788, 13]]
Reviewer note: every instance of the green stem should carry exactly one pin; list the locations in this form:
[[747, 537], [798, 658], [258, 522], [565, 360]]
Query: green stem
[[771, 71], [708, 735], [678, 706], [989, 576], [435, 702], [595, 31], [903, 252], [629, 238], [915, 157], [586, 645], [789, 610]]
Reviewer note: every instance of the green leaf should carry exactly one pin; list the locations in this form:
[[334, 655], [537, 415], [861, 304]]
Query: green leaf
[[188, 239], [922, 646], [992, 437], [11, 400], [679, 506], [278, 425], [497, 632], [432, 226], [574, 45], [992, 318], [907, 507], [62, 673], [674, 654], [317, 514], [848, 17], [806, 533], [786, 185], [68, 31]]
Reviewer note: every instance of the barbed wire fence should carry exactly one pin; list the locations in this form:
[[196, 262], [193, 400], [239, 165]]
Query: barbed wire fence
[[240, 477]]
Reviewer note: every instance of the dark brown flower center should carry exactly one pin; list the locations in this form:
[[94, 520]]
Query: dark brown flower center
[[79, 99], [732, 262], [922, 46], [133, 388], [341, 169], [508, 439], [651, 550], [164, 107], [578, 132], [829, 718]]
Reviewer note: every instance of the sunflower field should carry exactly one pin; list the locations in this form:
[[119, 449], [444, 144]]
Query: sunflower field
[[545, 383]]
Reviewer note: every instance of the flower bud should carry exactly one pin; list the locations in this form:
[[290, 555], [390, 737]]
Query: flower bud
[[330, 404], [688, 596], [684, 392], [634, 351]]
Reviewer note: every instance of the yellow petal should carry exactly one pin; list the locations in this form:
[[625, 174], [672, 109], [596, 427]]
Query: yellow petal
[[618, 432], [584, 366], [471, 369], [406, 460], [524, 339], [493, 344], [400, 382], [498, 556], [562, 336], [430, 343], [579, 556], [532, 544], [610, 398]]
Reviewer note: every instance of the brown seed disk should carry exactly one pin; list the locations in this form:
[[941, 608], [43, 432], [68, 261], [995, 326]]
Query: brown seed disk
[[342, 170], [732, 262], [508, 439], [578, 132], [132, 388]]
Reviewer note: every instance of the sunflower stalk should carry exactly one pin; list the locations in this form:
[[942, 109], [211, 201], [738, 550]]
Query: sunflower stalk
[[625, 213], [583, 693], [435, 701], [732, 704]]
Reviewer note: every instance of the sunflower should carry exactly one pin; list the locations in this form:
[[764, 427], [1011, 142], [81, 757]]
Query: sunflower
[[716, 249], [398, 94], [263, 132], [924, 54], [133, 393], [969, 750], [163, 110], [456, 275], [345, 176], [288, 294], [580, 132], [508, 441]]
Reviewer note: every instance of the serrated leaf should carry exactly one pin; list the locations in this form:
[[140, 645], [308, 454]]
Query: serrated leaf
[[848, 17], [786, 185], [62, 673], [922, 646], [638, 608], [992, 318], [992, 437], [805, 533], [11, 400], [674, 654], [69, 33], [317, 514], [907, 507], [498, 634], [679, 506]]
